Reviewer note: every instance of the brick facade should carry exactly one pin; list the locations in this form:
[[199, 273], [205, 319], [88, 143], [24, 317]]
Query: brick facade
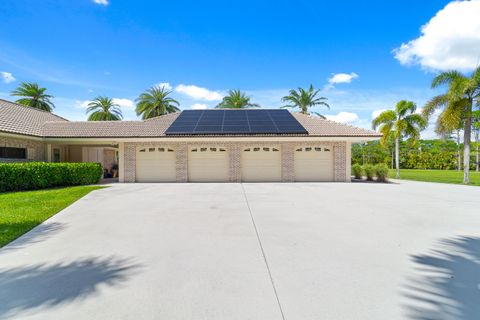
[[35, 149], [234, 149]]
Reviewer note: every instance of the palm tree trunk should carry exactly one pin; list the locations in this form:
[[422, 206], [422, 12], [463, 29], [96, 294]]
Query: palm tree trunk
[[459, 157], [397, 156], [393, 156], [477, 133], [467, 133]]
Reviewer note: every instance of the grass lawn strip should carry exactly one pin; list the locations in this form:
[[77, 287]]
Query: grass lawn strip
[[442, 176], [22, 211]]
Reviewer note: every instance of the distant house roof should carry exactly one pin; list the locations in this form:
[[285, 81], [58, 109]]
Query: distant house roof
[[18, 119], [15, 118]]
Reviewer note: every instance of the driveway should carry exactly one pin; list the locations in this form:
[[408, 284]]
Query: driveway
[[406, 250]]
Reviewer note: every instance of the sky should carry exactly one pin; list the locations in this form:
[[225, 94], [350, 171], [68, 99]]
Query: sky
[[365, 56]]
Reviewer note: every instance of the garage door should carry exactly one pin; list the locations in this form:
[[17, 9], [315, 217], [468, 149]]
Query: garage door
[[261, 164], [208, 164], [314, 164], [155, 164]]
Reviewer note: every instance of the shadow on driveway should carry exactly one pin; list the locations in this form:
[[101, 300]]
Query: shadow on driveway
[[37, 234], [448, 282], [42, 285]]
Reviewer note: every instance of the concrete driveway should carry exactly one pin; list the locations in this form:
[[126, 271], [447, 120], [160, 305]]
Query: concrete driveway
[[251, 251]]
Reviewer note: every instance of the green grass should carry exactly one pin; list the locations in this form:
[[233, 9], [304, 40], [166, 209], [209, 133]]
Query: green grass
[[22, 211], [442, 176]]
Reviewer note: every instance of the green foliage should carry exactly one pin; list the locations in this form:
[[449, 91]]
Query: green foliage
[[236, 100], [104, 109], [381, 171], [369, 171], [156, 102], [357, 171], [41, 175], [305, 99], [33, 96]]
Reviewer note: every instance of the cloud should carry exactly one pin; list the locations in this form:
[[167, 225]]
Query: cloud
[[82, 104], [165, 85], [342, 78], [199, 106], [102, 2], [376, 113], [450, 40], [7, 77], [198, 92], [344, 117], [124, 103]]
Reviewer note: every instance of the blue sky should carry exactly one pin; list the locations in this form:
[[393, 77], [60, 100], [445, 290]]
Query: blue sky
[[353, 50]]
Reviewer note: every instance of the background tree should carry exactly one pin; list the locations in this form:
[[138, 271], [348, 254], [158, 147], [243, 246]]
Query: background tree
[[457, 104], [404, 122], [104, 109], [476, 132], [305, 99], [236, 100], [448, 130], [33, 96], [156, 102]]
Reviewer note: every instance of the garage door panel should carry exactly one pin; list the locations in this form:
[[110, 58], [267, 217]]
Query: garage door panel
[[314, 164], [208, 164], [155, 164], [261, 164]]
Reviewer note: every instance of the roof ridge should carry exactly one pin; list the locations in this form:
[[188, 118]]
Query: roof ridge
[[34, 109], [336, 122]]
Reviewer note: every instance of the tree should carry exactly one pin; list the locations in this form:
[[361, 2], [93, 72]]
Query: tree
[[448, 130], [33, 96], [476, 131], [236, 100], [104, 109], [457, 104], [305, 99], [404, 123], [156, 102]]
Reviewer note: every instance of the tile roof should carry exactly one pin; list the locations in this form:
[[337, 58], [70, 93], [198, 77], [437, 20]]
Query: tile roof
[[15, 118]]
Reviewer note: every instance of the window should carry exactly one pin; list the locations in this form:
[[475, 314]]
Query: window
[[13, 153], [247, 150], [326, 149], [221, 150], [274, 150], [266, 149], [56, 155], [256, 149], [299, 149], [142, 150], [308, 149], [194, 150], [170, 150], [161, 149], [151, 149], [213, 149], [203, 149], [318, 149]]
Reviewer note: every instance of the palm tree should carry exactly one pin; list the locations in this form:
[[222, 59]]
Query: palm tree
[[305, 99], [450, 131], [236, 100], [457, 104], [156, 102], [104, 109], [33, 96], [476, 130], [404, 122]]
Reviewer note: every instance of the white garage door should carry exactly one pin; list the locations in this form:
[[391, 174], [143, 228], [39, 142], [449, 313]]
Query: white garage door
[[261, 164], [155, 164], [207, 164], [314, 164]]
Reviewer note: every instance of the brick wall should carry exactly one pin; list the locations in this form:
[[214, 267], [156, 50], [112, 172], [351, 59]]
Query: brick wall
[[35, 149], [235, 150]]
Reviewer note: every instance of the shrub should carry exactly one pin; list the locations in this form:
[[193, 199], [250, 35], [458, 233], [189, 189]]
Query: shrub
[[369, 171], [381, 171], [40, 175], [357, 171]]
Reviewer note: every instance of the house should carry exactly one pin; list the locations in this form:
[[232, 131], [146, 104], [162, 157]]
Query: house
[[189, 146]]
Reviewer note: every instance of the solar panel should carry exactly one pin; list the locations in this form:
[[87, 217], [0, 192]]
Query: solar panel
[[235, 122]]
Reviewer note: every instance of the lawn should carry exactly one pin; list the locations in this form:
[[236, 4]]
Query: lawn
[[443, 176], [22, 211]]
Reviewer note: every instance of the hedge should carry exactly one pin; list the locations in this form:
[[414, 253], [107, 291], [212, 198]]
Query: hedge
[[41, 175]]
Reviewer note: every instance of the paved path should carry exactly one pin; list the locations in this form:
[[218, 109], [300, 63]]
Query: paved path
[[408, 250]]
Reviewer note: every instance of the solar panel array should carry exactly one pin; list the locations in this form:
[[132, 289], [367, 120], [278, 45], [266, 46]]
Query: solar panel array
[[232, 122]]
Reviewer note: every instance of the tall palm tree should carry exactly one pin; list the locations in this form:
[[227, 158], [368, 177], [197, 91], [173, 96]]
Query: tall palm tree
[[305, 99], [457, 104], [448, 130], [404, 122], [104, 109], [156, 102], [476, 130], [236, 100], [33, 96]]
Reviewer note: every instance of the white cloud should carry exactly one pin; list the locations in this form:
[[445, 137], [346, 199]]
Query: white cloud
[[198, 92], [342, 78], [344, 117], [376, 113], [450, 40], [165, 85], [7, 77], [102, 2], [82, 104], [124, 103], [199, 106]]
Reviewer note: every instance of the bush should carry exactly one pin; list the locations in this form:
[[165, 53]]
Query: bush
[[357, 171], [41, 175], [369, 171], [381, 171]]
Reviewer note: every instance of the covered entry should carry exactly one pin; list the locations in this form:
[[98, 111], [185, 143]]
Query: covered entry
[[314, 163], [261, 164], [155, 164]]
